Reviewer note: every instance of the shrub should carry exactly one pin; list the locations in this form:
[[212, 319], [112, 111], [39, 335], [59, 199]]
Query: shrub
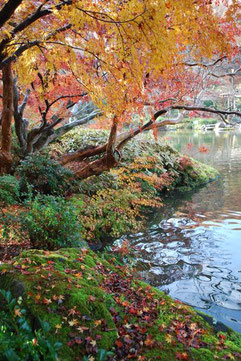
[[79, 138], [9, 189], [18, 340], [51, 223], [43, 175], [109, 212]]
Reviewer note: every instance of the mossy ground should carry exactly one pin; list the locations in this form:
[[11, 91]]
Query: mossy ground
[[92, 303]]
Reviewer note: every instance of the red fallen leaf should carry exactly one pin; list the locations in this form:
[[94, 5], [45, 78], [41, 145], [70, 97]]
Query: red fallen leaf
[[181, 356], [125, 303], [92, 298], [72, 311], [78, 340], [80, 259], [47, 301], [26, 273], [132, 311], [119, 343], [70, 343], [222, 337], [149, 342]]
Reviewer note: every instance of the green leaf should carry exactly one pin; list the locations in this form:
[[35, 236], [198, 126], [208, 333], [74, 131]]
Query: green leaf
[[11, 355]]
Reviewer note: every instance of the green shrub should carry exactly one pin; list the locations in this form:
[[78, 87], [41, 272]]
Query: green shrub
[[79, 138], [43, 175], [51, 223], [9, 189], [109, 212], [18, 340], [208, 103]]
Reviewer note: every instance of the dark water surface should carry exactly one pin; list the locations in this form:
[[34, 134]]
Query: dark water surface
[[194, 253]]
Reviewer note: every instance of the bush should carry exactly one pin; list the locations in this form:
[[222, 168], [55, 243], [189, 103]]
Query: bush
[[51, 223], [43, 175], [79, 138], [18, 340], [9, 189]]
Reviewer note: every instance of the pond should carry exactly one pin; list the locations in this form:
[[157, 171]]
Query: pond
[[192, 249]]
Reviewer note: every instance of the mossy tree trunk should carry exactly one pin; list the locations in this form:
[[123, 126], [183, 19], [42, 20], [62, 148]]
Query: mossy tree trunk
[[7, 114]]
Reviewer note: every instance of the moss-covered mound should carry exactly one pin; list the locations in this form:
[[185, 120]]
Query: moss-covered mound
[[98, 311]]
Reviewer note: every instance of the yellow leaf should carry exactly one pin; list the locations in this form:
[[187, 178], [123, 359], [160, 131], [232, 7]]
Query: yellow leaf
[[73, 322], [169, 338]]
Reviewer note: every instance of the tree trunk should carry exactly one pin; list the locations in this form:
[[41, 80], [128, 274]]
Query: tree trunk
[[96, 167], [7, 114], [108, 161]]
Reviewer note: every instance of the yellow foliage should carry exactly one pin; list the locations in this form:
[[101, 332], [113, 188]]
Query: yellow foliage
[[111, 48]]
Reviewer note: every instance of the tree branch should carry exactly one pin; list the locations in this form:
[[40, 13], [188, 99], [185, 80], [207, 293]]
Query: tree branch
[[38, 14], [215, 62], [67, 96], [8, 10], [24, 103]]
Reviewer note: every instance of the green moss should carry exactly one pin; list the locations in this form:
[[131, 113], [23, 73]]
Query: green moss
[[74, 290]]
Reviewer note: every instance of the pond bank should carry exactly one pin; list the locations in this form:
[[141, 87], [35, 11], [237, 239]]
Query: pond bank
[[116, 202]]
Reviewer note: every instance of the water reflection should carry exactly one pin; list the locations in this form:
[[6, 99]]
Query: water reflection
[[194, 253]]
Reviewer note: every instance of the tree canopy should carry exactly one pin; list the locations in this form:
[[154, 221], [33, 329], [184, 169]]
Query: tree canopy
[[115, 50]]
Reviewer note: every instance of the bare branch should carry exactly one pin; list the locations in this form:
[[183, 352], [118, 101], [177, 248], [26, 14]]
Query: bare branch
[[215, 62], [236, 72]]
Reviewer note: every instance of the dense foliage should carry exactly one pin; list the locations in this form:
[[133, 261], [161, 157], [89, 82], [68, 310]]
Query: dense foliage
[[39, 173], [9, 189], [51, 223]]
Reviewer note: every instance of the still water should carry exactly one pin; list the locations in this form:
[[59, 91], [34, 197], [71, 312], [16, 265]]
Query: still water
[[193, 251]]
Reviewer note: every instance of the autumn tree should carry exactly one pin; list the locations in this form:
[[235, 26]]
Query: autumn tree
[[50, 104], [115, 50]]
